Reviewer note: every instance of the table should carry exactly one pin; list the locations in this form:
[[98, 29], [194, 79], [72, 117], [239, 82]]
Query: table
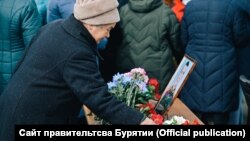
[[177, 108], [180, 109]]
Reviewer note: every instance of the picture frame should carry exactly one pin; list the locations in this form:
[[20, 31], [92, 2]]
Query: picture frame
[[175, 84]]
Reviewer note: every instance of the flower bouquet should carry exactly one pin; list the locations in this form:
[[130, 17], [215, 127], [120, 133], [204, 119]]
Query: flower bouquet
[[136, 89]]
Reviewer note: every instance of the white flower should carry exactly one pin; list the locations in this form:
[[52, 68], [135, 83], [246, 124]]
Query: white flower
[[175, 120]]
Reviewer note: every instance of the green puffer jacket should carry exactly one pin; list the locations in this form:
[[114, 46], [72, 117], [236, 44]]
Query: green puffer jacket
[[150, 39], [19, 22]]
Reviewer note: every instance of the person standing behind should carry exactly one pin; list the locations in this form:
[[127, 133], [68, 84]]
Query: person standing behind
[[150, 39], [20, 21], [59, 9], [59, 74], [211, 32]]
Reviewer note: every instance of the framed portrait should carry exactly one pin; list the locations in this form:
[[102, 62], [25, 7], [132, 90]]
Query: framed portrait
[[175, 84]]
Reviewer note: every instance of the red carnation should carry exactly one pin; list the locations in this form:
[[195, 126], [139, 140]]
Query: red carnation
[[154, 82], [157, 118]]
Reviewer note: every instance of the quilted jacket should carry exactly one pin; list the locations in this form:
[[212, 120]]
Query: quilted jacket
[[19, 22], [211, 32], [150, 38]]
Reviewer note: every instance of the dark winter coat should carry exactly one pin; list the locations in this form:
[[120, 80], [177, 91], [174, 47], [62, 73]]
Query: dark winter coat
[[211, 32], [59, 74]]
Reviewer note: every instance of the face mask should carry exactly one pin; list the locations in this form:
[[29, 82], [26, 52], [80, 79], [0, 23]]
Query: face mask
[[102, 44]]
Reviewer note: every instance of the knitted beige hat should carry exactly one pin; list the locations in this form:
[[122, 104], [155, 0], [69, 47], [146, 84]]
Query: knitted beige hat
[[97, 12]]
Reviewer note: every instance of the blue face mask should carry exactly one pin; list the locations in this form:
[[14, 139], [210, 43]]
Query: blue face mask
[[102, 44]]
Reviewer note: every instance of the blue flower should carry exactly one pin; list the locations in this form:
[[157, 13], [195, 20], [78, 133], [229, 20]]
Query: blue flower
[[111, 85], [126, 79], [117, 77]]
